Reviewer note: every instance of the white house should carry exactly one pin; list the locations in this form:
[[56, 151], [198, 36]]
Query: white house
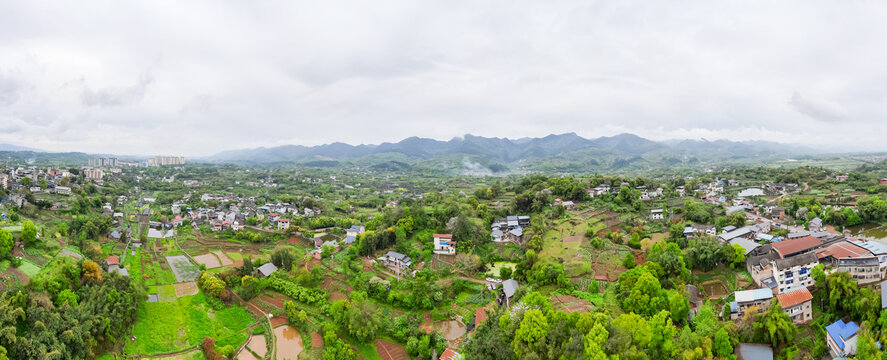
[[444, 244], [656, 214], [841, 338], [283, 224]]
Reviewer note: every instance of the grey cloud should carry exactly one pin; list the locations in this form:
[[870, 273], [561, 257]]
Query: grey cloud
[[301, 72], [816, 110], [117, 96], [10, 90]]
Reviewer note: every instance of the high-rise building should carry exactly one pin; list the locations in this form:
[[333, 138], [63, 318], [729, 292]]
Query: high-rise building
[[94, 174], [166, 161], [103, 162]]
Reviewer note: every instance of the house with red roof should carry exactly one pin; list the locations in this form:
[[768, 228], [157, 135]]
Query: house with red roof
[[797, 303], [450, 354], [283, 224]]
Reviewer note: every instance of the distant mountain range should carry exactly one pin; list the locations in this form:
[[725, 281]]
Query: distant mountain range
[[10, 147], [567, 152]]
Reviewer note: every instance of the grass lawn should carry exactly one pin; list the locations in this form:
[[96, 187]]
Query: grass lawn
[[169, 326], [29, 268], [166, 292], [368, 351]]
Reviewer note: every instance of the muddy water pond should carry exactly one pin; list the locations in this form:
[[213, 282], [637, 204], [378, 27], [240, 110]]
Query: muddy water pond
[[288, 342], [257, 344], [874, 231]]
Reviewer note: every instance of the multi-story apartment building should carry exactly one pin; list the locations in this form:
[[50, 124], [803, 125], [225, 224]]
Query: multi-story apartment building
[[93, 174], [166, 161]]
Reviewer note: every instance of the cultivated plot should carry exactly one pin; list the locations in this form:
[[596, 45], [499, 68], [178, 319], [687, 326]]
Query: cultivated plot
[[183, 268]]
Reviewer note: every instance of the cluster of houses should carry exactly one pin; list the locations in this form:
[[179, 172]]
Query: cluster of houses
[[509, 229], [12, 179], [782, 270]]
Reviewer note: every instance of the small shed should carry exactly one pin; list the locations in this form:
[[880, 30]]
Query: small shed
[[266, 270]]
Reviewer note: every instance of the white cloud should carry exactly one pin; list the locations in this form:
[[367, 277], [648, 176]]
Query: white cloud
[[199, 77]]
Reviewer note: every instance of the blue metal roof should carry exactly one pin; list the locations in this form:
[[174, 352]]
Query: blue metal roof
[[872, 246], [839, 331]]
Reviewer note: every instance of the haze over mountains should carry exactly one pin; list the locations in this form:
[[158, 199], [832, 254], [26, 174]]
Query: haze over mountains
[[507, 150], [478, 155]]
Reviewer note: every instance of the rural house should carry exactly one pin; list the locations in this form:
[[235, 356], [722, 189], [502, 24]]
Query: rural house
[[283, 224], [796, 303], [396, 261], [749, 299], [444, 244], [841, 338]]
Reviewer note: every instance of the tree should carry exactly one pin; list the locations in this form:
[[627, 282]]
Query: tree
[[647, 296], [29, 232], [662, 345], [91, 271], [26, 181], [706, 321], [536, 243], [704, 253], [734, 254], [533, 328], [6, 243], [594, 341], [628, 261], [722, 345], [282, 258], [505, 272], [840, 289], [775, 326], [630, 333], [211, 284], [66, 297]]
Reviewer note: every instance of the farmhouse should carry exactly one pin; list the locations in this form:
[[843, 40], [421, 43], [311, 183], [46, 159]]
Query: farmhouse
[[112, 263], [656, 214], [745, 232], [396, 261], [508, 288], [796, 303], [750, 299], [283, 224], [444, 244], [841, 338]]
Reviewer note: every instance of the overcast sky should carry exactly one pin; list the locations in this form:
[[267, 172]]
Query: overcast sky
[[198, 77]]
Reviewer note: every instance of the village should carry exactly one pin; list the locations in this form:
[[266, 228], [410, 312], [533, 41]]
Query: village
[[172, 246]]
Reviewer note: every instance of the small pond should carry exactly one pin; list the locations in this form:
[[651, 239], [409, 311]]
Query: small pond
[[288, 342], [873, 231]]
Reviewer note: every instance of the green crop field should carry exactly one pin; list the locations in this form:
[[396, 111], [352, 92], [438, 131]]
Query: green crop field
[[164, 327], [29, 268]]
